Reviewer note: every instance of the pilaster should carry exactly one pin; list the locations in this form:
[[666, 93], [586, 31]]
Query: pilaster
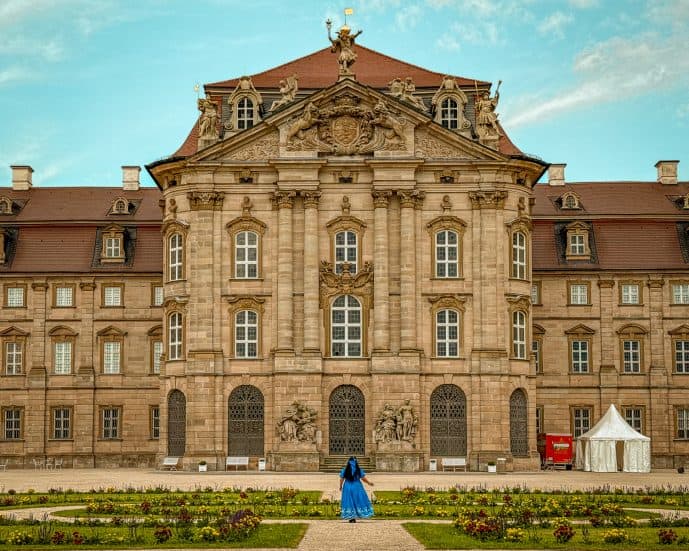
[[311, 274], [607, 337], [284, 202], [409, 201], [381, 291]]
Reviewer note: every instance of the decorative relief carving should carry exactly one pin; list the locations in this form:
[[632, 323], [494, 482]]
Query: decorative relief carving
[[284, 199], [264, 148], [298, 424], [427, 146], [448, 301], [344, 127], [205, 200], [346, 206], [345, 283], [446, 204], [522, 223], [446, 222], [411, 198], [404, 91], [246, 222], [245, 302], [396, 425], [446, 176], [381, 199], [488, 199], [288, 89], [518, 302]]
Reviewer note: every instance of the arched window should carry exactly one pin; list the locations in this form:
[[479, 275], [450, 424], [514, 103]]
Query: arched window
[[519, 335], [446, 254], [345, 327], [246, 334], [346, 251], [449, 113], [447, 333], [175, 251], [519, 426], [174, 343], [245, 114], [246, 255], [519, 255]]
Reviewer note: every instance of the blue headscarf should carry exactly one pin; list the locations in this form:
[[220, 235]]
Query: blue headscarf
[[352, 470]]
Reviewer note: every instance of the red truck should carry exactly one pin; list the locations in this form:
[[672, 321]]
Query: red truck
[[556, 450]]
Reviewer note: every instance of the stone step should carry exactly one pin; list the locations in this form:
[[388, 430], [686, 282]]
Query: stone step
[[334, 463]]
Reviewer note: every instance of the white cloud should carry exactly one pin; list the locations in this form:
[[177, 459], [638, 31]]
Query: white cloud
[[682, 111], [614, 70], [447, 41], [480, 32], [408, 17], [555, 23], [15, 74], [51, 50], [583, 4]]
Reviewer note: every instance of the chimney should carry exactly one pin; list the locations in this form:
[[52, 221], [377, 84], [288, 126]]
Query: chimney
[[130, 178], [667, 172], [556, 174], [21, 177]]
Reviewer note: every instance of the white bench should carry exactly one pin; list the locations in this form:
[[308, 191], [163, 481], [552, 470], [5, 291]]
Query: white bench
[[236, 462], [454, 462], [170, 463]]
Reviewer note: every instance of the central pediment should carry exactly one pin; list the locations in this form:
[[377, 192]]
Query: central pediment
[[347, 119]]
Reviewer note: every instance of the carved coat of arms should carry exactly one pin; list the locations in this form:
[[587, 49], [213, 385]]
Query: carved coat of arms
[[345, 128]]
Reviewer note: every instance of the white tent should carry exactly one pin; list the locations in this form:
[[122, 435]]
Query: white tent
[[612, 442]]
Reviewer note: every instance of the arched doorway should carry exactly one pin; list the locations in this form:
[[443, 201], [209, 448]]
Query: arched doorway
[[448, 421], [347, 426], [245, 422], [519, 425], [176, 423]]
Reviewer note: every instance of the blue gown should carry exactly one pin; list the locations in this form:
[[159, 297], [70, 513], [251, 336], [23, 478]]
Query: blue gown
[[355, 502]]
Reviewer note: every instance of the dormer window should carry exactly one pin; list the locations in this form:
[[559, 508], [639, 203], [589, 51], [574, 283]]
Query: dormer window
[[5, 205], [685, 202], [449, 113], [245, 114], [120, 206], [112, 250], [449, 104], [578, 242], [570, 201], [245, 105]]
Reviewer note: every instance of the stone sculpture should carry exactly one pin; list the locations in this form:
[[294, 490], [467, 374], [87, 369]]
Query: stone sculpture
[[344, 46], [486, 117], [288, 89], [208, 121], [396, 425], [404, 91], [297, 424]]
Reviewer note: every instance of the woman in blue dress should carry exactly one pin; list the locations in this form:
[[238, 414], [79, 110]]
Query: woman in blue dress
[[355, 503]]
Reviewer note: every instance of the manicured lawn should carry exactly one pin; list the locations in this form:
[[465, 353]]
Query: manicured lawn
[[446, 536]]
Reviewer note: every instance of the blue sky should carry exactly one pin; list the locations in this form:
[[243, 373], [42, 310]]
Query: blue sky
[[89, 85]]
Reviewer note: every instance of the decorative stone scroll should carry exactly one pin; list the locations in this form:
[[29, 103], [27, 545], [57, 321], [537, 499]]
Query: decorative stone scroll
[[345, 283], [297, 424], [396, 425], [345, 127], [206, 200]]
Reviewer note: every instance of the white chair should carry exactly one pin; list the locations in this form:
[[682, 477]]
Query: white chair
[[49, 464], [37, 463], [57, 464], [3, 464]]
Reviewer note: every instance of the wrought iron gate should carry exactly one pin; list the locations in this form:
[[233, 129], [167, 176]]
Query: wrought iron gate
[[176, 423], [519, 426], [245, 422], [347, 426], [448, 421]]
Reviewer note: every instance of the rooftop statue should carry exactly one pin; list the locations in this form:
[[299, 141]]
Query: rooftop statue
[[404, 90], [486, 117], [288, 89], [208, 121], [344, 45]]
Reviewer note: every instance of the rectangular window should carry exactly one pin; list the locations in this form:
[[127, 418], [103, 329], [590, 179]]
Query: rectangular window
[[157, 353], [536, 293], [581, 421], [539, 419], [634, 417], [13, 424], [579, 293], [680, 293], [683, 423], [158, 295], [63, 357], [155, 422], [580, 356], [630, 293], [14, 297], [111, 422], [62, 423], [576, 245], [14, 358], [112, 296], [111, 357], [681, 356], [113, 247], [631, 352], [64, 297], [536, 351]]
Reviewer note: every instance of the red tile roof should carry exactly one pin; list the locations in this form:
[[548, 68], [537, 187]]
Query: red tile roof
[[320, 70]]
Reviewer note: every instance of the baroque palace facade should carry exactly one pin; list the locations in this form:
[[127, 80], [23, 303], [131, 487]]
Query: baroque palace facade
[[341, 259]]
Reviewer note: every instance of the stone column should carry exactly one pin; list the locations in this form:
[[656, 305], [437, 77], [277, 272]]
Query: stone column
[[312, 339], [381, 289], [409, 200], [284, 201]]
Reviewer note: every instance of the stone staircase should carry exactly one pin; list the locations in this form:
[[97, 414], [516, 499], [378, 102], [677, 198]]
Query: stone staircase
[[334, 463]]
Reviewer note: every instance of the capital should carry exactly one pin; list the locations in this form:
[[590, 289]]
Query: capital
[[411, 198], [381, 199], [488, 199], [311, 199], [284, 199]]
